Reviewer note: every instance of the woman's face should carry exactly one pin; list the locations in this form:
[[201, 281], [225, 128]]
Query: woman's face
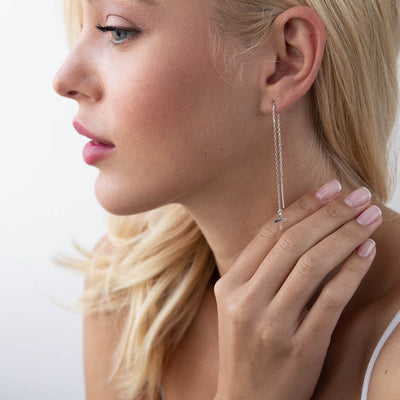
[[176, 124]]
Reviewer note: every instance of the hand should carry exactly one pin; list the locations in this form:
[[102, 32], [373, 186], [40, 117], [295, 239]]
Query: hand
[[271, 347]]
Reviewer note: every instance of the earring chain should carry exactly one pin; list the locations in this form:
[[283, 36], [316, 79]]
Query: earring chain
[[278, 161]]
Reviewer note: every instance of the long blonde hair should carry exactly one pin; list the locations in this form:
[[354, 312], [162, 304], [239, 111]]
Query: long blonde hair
[[161, 264]]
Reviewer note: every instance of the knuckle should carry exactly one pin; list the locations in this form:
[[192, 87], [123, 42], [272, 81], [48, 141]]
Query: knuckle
[[333, 300], [305, 351], [270, 332], [307, 265], [274, 341], [300, 349], [273, 319], [267, 232], [238, 307], [238, 312], [350, 231], [288, 242], [305, 203], [333, 210], [220, 288], [234, 309], [356, 267]]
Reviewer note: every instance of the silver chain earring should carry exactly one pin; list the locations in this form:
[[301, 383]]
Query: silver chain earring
[[278, 164]]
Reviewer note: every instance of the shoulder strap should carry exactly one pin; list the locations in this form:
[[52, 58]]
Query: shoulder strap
[[391, 327]]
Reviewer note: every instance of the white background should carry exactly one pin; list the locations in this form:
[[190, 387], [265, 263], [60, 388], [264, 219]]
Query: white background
[[46, 200]]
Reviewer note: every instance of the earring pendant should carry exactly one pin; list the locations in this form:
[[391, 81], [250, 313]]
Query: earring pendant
[[278, 165]]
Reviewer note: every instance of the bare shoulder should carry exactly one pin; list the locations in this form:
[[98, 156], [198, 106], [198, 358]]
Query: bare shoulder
[[385, 378], [100, 336]]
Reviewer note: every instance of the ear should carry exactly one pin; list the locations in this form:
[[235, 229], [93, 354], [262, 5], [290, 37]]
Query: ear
[[297, 42]]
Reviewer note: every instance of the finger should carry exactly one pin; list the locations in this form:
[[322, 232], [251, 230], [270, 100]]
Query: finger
[[323, 316], [255, 252], [297, 240], [314, 265]]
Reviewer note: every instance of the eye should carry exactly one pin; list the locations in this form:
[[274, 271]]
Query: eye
[[119, 34]]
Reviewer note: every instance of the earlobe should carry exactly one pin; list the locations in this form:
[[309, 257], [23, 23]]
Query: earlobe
[[298, 41]]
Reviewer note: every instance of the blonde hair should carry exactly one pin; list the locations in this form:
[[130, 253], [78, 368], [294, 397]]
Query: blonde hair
[[161, 264]]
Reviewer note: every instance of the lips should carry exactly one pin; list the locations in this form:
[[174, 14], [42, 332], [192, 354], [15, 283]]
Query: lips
[[97, 139]]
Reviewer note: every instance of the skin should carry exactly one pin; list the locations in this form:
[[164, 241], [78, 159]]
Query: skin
[[183, 133]]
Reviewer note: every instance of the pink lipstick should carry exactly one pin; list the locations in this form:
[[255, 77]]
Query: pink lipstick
[[95, 150]]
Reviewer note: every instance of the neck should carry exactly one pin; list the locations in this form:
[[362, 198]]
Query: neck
[[232, 208]]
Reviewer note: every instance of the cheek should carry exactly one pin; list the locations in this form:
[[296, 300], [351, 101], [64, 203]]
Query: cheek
[[156, 102], [175, 122], [167, 109], [152, 120]]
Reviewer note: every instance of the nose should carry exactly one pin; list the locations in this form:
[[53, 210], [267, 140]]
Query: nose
[[78, 77]]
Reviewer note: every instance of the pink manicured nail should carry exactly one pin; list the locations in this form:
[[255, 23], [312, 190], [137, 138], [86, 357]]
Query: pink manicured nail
[[358, 197], [329, 190], [366, 248], [369, 216]]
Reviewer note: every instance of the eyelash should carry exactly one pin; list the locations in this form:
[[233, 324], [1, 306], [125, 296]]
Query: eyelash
[[130, 32]]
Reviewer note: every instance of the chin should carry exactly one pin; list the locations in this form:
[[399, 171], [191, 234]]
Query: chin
[[118, 200]]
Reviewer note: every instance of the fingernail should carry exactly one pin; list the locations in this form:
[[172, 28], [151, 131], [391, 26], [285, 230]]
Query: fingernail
[[370, 215], [358, 197], [366, 248], [329, 190]]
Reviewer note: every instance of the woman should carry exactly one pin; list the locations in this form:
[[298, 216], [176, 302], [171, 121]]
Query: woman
[[207, 116]]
